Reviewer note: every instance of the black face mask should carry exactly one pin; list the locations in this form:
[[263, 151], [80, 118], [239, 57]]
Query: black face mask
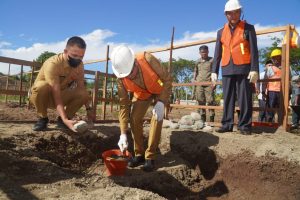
[[73, 62]]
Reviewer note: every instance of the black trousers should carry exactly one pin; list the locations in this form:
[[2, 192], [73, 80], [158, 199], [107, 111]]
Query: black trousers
[[237, 87], [274, 98], [262, 117]]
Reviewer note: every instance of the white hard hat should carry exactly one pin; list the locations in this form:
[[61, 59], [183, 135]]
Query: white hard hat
[[122, 59], [232, 5]]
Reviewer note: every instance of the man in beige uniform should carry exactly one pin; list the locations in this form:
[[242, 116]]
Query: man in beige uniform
[[149, 82], [60, 85], [202, 73]]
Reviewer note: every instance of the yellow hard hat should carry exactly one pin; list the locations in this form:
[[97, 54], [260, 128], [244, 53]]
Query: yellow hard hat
[[276, 52]]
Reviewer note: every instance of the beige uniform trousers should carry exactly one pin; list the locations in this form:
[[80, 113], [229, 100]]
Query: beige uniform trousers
[[205, 94], [42, 99], [139, 109]]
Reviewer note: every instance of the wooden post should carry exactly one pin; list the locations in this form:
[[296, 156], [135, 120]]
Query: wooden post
[[282, 88], [112, 95], [21, 85], [170, 71], [30, 83], [105, 85], [171, 50], [286, 53], [95, 94], [7, 82]]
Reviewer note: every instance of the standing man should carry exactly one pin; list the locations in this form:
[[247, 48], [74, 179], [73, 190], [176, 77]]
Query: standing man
[[295, 102], [144, 76], [273, 88], [236, 46], [60, 85], [202, 73], [261, 91]]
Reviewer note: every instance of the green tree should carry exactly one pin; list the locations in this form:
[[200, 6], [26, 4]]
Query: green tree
[[265, 53], [44, 56], [182, 72]]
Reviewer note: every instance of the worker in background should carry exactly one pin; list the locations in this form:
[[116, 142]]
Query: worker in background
[[295, 102], [144, 76], [236, 46], [273, 88], [202, 73], [60, 84], [168, 107], [261, 91]]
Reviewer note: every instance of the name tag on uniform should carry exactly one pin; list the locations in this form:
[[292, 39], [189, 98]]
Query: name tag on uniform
[[160, 82]]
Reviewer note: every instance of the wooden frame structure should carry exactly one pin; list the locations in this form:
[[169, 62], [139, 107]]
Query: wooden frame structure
[[283, 110]]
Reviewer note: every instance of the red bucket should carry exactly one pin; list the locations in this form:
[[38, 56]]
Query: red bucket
[[115, 167]]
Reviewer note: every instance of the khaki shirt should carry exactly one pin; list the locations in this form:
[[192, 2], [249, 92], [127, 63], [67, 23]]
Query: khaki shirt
[[56, 70], [203, 69], [164, 96]]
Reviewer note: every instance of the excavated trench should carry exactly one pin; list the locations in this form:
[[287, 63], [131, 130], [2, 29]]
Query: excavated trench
[[188, 168]]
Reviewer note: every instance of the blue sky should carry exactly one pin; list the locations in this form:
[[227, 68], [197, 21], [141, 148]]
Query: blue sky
[[31, 27]]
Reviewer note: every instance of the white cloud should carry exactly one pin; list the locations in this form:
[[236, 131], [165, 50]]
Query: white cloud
[[4, 44], [98, 40], [95, 41], [153, 41]]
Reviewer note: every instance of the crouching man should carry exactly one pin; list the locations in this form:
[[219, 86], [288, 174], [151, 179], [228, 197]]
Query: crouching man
[[60, 85], [142, 75]]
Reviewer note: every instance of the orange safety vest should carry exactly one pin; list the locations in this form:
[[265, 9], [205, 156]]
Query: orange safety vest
[[151, 80], [275, 86], [235, 45]]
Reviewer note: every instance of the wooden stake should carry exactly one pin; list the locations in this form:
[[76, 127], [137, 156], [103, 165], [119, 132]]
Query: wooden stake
[[286, 68], [7, 81], [105, 84], [95, 94], [21, 85], [112, 95]]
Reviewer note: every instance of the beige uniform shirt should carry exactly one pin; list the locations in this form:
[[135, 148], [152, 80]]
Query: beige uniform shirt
[[164, 96], [203, 69], [57, 70]]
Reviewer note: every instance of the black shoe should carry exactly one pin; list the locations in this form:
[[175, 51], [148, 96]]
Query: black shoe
[[294, 126], [148, 166], [41, 124], [136, 161], [60, 124], [244, 132], [223, 130]]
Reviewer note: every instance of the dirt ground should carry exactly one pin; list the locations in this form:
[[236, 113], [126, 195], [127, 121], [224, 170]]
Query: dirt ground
[[56, 164]]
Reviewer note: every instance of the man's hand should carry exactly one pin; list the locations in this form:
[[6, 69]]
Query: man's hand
[[253, 77], [158, 111], [214, 78], [70, 124], [123, 144]]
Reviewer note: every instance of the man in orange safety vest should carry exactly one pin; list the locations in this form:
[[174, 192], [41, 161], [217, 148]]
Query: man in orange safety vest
[[144, 76]]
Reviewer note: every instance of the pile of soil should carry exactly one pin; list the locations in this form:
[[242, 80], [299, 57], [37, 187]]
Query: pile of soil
[[57, 164]]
